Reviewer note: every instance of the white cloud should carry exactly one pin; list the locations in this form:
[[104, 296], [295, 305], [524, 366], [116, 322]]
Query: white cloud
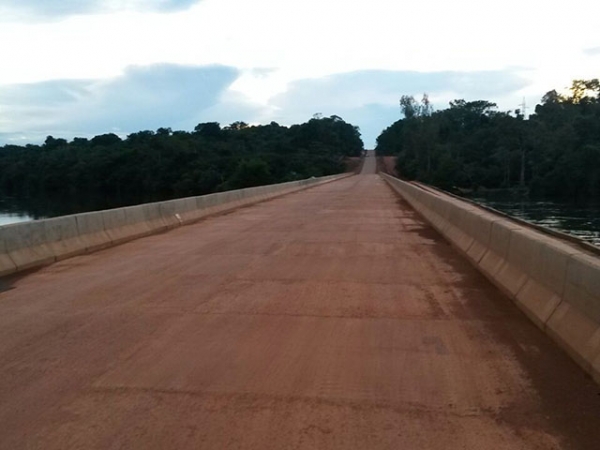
[[592, 51], [35, 10], [303, 40], [142, 98], [182, 96], [369, 99]]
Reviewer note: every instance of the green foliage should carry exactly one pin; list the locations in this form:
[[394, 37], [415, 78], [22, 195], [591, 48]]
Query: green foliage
[[249, 173], [166, 164], [471, 145]]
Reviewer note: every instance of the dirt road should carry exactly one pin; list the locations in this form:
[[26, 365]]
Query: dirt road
[[333, 318]]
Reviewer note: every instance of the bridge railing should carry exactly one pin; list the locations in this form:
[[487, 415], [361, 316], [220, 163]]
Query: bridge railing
[[554, 282], [32, 244]]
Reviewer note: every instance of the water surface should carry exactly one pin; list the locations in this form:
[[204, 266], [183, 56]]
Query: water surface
[[581, 220], [22, 209]]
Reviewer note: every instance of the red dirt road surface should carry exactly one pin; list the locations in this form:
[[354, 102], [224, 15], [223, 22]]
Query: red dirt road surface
[[333, 318]]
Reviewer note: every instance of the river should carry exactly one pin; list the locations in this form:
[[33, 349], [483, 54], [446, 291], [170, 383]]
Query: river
[[14, 210], [581, 220]]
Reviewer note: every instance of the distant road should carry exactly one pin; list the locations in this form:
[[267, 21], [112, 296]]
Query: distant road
[[369, 164], [333, 318]]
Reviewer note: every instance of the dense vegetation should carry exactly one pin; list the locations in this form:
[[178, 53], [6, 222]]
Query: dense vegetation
[[470, 145], [165, 164]]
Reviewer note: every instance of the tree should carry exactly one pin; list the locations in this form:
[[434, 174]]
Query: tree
[[157, 165], [409, 106], [254, 172], [426, 106], [236, 126], [51, 143], [106, 139], [581, 88], [164, 132], [208, 129], [471, 145]]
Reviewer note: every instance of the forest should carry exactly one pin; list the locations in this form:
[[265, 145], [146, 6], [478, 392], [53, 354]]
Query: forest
[[470, 146], [162, 164]]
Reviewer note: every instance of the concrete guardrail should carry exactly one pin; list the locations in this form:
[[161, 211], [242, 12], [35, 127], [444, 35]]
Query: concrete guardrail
[[555, 283], [32, 244]]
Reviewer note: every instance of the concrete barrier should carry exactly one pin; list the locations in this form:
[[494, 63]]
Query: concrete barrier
[[184, 210], [90, 228], [154, 218], [554, 282], [7, 265], [26, 244], [116, 226], [497, 249], [62, 237], [170, 212], [32, 244], [575, 324]]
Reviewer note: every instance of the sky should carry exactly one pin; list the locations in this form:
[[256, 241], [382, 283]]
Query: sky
[[74, 68]]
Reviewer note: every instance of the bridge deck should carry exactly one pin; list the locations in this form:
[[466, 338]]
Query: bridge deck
[[330, 318]]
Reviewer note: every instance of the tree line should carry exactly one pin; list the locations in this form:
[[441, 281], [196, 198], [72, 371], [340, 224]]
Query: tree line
[[161, 164], [470, 145]]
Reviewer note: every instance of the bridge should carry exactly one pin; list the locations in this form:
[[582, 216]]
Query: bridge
[[333, 317]]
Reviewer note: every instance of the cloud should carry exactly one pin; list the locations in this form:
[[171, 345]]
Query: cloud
[[369, 98], [165, 95], [149, 97], [382, 86], [49, 93], [592, 51], [63, 8], [372, 119], [232, 107]]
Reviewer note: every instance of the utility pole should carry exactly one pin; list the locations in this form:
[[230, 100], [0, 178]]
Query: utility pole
[[522, 145], [524, 108]]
